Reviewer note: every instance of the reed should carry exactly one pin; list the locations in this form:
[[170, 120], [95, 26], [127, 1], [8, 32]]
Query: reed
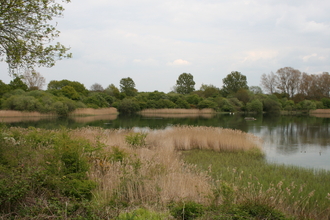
[[92, 111], [299, 192], [12, 113]]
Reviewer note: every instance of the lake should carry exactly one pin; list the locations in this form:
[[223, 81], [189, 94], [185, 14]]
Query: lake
[[292, 140]]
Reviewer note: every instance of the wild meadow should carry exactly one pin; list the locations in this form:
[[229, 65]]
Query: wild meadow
[[181, 172]]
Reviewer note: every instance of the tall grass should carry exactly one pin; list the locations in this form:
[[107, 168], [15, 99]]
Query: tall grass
[[92, 111], [227, 169], [300, 192]]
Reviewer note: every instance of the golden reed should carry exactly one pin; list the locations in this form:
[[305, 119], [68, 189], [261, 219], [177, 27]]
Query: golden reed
[[155, 173]]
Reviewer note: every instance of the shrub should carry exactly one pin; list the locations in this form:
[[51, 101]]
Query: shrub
[[136, 139], [186, 210], [128, 106]]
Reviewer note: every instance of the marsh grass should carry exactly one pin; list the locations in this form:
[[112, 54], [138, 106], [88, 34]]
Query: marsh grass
[[92, 111], [94, 173], [300, 192]]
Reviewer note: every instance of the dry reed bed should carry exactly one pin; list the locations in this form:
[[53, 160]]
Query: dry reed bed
[[92, 111], [154, 173], [12, 113]]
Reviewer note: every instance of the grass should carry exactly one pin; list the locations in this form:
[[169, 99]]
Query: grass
[[183, 172]]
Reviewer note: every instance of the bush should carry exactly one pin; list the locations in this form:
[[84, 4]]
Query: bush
[[136, 139], [128, 106], [186, 210]]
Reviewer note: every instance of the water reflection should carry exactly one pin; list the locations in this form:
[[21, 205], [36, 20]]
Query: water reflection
[[296, 140]]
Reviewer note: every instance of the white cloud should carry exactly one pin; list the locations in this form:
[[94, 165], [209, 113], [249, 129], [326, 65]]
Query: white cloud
[[179, 62]]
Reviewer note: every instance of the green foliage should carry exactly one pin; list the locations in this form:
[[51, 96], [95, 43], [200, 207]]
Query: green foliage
[[261, 211], [128, 106], [185, 84], [117, 154], [233, 82], [136, 140], [181, 103], [142, 214], [4, 88], [254, 106], [127, 86], [272, 105], [207, 104], [326, 102], [58, 85], [26, 34], [186, 210], [17, 83], [209, 91], [96, 100], [70, 92], [306, 105]]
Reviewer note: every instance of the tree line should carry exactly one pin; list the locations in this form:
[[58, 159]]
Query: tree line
[[24, 93]]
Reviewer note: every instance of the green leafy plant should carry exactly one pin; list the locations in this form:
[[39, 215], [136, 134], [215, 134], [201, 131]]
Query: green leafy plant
[[186, 210], [136, 140]]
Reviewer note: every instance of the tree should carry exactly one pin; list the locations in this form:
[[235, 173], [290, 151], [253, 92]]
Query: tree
[[185, 84], [96, 87], [127, 86], [34, 80], [233, 82], [17, 83], [57, 85], [113, 91], [268, 82], [209, 91], [288, 80], [24, 32]]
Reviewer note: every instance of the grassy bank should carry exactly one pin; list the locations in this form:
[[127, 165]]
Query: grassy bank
[[93, 173]]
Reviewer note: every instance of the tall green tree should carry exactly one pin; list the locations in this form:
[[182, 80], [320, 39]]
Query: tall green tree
[[127, 86], [185, 84], [25, 33], [233, 82]]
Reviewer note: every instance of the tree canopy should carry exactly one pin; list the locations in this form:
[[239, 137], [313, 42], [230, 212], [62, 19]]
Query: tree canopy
[[25, 33], [233, 82], [185, 84], [127, 86]]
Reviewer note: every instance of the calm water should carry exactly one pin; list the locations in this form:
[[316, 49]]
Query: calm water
[[292, 140]]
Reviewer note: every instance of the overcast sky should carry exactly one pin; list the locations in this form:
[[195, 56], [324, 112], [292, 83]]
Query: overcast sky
[[153, 42]]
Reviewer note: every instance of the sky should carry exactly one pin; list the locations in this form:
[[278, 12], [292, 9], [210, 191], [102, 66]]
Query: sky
[[153, 42]]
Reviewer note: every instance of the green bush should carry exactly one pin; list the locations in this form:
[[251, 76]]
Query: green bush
[[136, 139], [186, 210]]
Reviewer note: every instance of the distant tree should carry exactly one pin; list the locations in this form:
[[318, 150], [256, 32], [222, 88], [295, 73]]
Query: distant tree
[[243, 95], [288, 80], [255, 90], [70, 92], [209, 91], [268, 82], [128, 106], [233, 82], [34, 80], [96, 87], [113, 91], [25, 33], [324, 83], [57, 85], [3, 88], [127, 86], [17, 83], [185, 84], [254, 106]]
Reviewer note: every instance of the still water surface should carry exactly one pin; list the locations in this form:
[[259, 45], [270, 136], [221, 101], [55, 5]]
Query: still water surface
[[292, 140]]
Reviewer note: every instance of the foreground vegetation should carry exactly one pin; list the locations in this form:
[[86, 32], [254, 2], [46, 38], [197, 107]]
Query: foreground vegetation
[[181, 173]]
